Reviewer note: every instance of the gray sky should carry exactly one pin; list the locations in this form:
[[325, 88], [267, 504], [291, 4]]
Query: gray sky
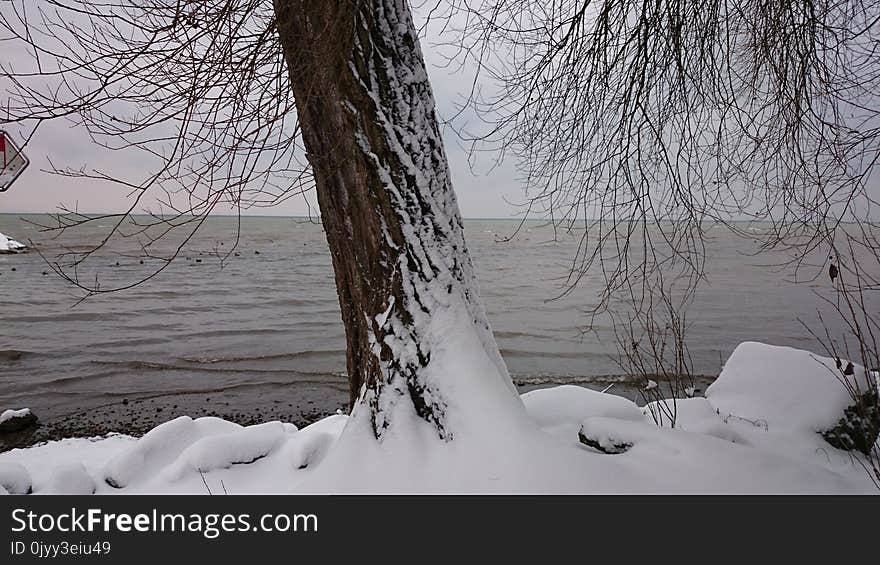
[[487, 192], [481, 195]]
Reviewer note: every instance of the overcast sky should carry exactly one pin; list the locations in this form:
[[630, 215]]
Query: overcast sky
[[482, 195], [488, 192]]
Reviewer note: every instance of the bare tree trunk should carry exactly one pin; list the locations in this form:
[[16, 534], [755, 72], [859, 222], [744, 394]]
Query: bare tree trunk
[[403, 275]]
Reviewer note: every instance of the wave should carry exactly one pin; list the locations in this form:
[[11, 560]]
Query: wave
[[236, 332], [153, 366], [501, 334], [311, 354], [56, 317], [551, 354]]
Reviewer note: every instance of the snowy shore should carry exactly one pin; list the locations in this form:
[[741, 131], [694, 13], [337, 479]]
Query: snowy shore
[[758, 430]]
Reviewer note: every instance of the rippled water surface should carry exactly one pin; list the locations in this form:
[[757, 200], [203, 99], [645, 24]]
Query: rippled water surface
[[264, 327]]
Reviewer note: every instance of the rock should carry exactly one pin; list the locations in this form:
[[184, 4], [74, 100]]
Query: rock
[[14, 478], [15, 420], [561, 410], [787, 390], [606, 444]]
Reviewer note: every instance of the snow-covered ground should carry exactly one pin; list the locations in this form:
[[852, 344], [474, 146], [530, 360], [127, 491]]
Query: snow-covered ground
[[8, 245], [755, 431]]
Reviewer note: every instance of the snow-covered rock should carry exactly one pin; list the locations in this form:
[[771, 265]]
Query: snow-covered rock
[[784, 390], [7, 415], [8, 245], [15, 420], [14, 478], [597, 434], [561, 410]]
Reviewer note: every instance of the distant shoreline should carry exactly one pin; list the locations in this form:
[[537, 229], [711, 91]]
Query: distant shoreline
[[295, 217]]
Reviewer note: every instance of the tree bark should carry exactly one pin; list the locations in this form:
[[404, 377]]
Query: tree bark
[[366, 112]]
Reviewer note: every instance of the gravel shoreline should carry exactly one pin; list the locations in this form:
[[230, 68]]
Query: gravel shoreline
[[303, 406], [137, 416]]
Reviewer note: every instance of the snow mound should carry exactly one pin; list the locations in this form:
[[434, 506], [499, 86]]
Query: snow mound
[[8, 245], [70, 478], [782, 389], [560, 410], [699, 416], [681, 461], [14, 478], [160, 446], [43, 460], [307, 448], [682, 413], [180, 456], [221, 451]]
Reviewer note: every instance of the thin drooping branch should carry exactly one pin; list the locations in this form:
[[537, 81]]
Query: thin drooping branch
[[195, 92], [648, 123]]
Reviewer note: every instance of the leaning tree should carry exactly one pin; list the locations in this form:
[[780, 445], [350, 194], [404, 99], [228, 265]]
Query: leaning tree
[[208, 88], [642, 120]]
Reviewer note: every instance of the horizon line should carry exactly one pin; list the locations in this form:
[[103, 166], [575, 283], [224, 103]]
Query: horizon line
[[298, 216]]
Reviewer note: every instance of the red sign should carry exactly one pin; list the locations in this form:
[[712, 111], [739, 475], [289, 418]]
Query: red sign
[[12, 161]]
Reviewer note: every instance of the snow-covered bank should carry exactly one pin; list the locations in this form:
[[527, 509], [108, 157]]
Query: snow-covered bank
[[757, 430], [8, 245]]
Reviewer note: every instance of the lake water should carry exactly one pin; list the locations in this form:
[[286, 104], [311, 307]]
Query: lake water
[[260, 333]]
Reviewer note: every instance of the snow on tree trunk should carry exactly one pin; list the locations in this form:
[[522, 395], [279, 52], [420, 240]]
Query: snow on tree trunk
[[417, 335]]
